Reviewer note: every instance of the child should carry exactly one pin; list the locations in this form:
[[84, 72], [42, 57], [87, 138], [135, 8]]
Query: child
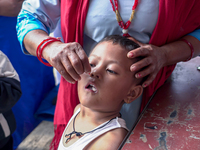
[[96, 123], [10, 92]]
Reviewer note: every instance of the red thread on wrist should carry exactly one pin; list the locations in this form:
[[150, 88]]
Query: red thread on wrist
[[191, 48], [41, 47]]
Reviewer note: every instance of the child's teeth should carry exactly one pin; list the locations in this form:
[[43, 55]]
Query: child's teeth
[[94, 89]]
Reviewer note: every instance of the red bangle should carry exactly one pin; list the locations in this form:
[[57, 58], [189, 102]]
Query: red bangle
[[41, 47], [191, 48]]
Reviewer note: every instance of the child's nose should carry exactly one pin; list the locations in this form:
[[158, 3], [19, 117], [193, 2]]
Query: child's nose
[[95, 73]]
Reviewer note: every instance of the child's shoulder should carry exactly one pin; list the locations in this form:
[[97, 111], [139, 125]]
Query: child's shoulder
[[111, 140]]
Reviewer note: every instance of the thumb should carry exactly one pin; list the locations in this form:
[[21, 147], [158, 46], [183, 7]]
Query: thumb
[[136, 41]]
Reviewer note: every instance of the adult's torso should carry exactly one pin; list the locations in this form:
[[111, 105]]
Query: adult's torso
[[101, 20]]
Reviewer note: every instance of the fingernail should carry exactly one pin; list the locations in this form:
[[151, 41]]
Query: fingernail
[[144, 85], [88, 73], [132, 68], [138, 75], [130, 54]]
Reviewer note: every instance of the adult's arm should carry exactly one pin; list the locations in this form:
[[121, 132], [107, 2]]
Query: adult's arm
[[158, 57], [10, 90], [35, 22], [35, 15], [10, 8]]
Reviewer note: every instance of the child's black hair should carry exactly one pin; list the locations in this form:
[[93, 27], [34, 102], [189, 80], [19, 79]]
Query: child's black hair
[[122, 41]]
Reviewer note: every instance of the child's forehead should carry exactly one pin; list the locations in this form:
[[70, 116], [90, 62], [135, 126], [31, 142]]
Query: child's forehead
[[107, 48], [112, 52]]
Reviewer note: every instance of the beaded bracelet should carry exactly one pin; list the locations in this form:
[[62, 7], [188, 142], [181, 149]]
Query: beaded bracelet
[[191, 48], [41, 47]]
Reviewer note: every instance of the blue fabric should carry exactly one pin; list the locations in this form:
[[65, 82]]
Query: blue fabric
[[47, 107], [36, 79], [30, 23], [196, 34]]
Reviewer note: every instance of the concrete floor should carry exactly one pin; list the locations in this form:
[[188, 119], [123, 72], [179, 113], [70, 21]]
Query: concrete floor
[[40, 138]]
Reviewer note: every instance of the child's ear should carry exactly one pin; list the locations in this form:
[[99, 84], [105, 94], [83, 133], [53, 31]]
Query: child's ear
[[133, 94]]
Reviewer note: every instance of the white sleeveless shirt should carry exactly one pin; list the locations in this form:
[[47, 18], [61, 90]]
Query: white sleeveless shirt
[[87, 138]]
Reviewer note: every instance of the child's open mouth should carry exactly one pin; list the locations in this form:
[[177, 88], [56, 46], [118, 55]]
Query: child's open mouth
[[91, 87]]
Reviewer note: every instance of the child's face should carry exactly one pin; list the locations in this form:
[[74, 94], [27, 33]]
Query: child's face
[[110, 79]]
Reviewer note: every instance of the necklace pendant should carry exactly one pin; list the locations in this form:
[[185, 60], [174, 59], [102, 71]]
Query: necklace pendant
[[78, 134], [124, 31]]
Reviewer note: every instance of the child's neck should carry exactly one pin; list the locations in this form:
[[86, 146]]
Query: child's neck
[[96, 117], [86, 121]]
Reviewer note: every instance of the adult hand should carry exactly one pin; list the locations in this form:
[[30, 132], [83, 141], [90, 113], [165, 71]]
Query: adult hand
[[153, 60], [69, 59]]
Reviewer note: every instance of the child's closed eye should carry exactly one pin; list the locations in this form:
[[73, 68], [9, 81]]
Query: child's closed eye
[[92, 65], [111, 71]]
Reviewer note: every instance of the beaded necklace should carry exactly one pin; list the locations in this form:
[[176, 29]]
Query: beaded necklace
[[80, 133], [119, 19]]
